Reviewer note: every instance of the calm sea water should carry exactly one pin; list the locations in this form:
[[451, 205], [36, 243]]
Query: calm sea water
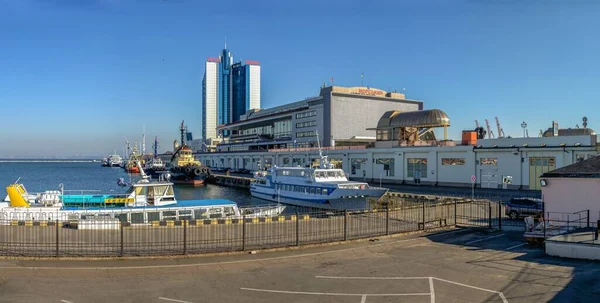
[[41, 176]]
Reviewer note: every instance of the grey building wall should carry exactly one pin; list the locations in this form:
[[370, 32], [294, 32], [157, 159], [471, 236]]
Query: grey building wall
[[352, 115]]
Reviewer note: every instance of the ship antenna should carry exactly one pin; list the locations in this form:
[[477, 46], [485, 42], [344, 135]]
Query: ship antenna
[[182, 130], [324, 161]]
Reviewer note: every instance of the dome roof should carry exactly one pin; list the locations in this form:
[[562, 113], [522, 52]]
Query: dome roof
[[420, 118]]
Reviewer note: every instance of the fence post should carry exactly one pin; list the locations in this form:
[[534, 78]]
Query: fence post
[[490, 214], [297, 229], [455, 219], [423, 215], [121, 247], [243, 232], [345, 225], [500, 215], [588, 218], [57, 222], [387, 220], [184, 236]]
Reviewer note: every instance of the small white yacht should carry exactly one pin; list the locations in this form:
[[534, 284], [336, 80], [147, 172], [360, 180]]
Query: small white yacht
[[324, 187], [114, 160]]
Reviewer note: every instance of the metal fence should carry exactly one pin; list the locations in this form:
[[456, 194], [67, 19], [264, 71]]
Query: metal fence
[[120, 237], [106, 237]]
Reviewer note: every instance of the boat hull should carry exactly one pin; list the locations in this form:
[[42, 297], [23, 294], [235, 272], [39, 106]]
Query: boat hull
[[340, 199], [194, 182]]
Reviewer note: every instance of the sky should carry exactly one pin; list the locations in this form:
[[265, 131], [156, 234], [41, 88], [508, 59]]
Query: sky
[[77, 77]]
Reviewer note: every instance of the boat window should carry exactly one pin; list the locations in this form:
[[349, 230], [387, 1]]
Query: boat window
[[170, 191], [137, 218], [331, 174], [200, 213], [169, 214], [302, 173], [312, 190], [153, 216], [325, 191], [229, 211], [121, 217]]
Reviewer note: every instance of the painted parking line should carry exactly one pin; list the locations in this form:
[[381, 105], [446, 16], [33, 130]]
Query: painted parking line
[[65, 301], [479, 240], [334, 293], [173, 300], [513, 247], [431, 279]]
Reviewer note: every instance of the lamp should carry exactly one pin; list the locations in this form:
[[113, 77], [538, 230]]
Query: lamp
[[543, 182]]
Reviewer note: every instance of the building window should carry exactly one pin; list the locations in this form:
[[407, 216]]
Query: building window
[[416, 168], [488, 161], [306, 114], [306, 134], [306, 124], [453, 161], [357, 164], [388, 165], [383, 135], [542, 161]]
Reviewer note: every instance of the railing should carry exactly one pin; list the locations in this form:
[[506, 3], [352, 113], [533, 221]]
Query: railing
[[303, 149], [112, 237]]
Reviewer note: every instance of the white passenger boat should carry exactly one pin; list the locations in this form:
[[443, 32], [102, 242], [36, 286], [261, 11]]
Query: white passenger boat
[[144, 202], [324, 187]]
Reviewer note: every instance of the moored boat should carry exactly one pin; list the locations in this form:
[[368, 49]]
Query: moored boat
[[184, 168], [324, 187], [144, 202]]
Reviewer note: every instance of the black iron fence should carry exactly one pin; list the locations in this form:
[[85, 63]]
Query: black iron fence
[[114, 237]]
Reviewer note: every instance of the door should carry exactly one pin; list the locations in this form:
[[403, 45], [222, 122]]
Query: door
[[489, 178], [537, 167]]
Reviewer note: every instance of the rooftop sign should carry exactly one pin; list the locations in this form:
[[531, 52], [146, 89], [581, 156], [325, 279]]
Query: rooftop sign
[[251, 62], [367, 91], [213, 60]]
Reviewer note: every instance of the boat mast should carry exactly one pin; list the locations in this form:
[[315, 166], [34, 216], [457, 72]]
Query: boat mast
[[182, 130], [155, 146], [144, 141]]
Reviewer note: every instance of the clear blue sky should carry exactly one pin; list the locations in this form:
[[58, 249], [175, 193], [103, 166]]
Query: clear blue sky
[[76, 76]]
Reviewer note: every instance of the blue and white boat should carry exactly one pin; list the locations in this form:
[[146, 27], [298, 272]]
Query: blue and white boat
[[324, 187], [145, 201]]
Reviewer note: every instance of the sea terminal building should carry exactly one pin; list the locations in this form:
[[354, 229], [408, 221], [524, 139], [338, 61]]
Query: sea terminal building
[[340, 115], [378, 136]]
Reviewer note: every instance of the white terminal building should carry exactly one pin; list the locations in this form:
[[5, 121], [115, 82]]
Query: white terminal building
[[376, 136]]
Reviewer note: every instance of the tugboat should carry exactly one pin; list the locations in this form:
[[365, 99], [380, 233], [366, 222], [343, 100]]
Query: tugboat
[[155, 167], [184, 168], [135, 157]]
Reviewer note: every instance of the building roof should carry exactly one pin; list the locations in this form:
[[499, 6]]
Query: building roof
[[420, 118], [589, 168], [570, 132]]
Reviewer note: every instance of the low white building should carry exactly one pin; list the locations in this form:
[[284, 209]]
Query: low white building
[[514, 163], [573, 189]]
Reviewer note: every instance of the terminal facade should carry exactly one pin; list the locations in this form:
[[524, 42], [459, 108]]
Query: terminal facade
[[380, 136]]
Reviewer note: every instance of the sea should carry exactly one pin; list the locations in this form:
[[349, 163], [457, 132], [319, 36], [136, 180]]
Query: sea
[[91, 177]]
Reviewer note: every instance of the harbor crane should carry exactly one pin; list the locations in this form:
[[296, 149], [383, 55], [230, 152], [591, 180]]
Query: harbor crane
[[490, 132], [476, 124], [500, 130]]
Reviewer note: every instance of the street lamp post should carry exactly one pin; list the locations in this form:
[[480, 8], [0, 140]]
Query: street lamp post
[[524, 126]]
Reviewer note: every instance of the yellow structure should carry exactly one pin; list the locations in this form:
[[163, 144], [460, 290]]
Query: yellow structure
[[17, 194]]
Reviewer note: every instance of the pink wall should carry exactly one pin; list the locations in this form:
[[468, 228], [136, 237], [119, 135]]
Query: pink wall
[[572, 195]]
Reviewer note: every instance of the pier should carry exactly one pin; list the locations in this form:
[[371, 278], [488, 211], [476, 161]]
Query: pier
[[230, 180]]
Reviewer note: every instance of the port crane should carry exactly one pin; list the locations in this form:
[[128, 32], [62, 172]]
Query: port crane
[[500, 130], [489, 130]]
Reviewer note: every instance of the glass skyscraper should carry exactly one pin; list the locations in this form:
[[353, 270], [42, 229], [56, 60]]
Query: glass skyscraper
[[228, 90]]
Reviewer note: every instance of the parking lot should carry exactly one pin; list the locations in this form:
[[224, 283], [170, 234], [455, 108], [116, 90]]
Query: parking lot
[[452, 266]]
